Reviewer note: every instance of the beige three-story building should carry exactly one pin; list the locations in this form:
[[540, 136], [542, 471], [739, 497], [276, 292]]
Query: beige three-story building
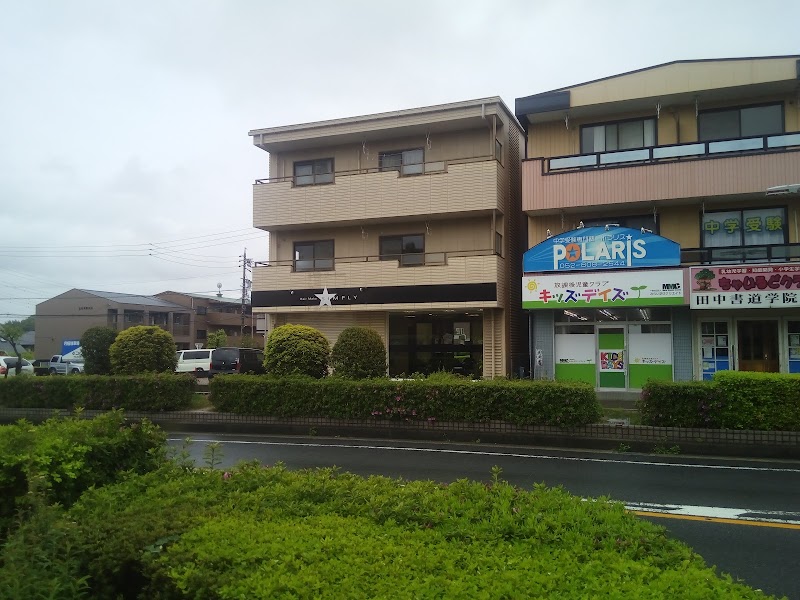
[[662, 218], [406, 222]]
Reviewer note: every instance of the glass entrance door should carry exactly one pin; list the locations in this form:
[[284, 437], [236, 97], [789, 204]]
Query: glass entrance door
[[612, 368], [758, 346]]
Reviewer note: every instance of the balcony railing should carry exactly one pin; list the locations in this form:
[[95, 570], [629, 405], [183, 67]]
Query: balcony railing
[[659, 154], [439, 166], [426, 259], [180, 329], [741, 254]]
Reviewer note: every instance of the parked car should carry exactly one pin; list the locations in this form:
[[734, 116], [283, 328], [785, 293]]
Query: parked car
[[8, 366], [237, 360], [64, 366], [194, 361]]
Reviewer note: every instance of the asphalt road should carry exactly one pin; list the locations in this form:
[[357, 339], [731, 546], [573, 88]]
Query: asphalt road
[[741, 515]]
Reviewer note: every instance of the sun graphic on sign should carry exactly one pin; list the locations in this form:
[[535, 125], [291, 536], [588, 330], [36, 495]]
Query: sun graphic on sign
[[532, 285]]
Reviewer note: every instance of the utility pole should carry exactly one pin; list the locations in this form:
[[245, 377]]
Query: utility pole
[[247, 263]]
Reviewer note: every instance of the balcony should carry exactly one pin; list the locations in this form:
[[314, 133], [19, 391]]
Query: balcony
[[700, 169], [222, 319], [474, 266], [439, 188], [740, 254]]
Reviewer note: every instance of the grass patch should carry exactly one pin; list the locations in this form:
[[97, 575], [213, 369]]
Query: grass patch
[[622, 413], [201, 402]]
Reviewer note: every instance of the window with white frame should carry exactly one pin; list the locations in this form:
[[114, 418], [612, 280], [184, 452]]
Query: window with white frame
[[313, 172], [313, 256], [407, 162], [622, 135], [408, 249]]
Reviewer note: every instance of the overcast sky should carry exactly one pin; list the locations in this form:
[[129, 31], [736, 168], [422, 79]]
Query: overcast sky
[[125, 163]]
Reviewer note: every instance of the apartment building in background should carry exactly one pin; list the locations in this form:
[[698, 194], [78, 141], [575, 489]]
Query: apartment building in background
[[406, 222], [663, 224], [62, 320]]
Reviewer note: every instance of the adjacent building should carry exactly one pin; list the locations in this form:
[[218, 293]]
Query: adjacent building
[[406, 222], [662, 223], [62, 320]]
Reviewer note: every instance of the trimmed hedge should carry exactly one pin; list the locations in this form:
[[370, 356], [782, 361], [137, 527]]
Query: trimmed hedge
[[146, 392], [732, 400], [520, 402], [272, 533], [297, 350], [359, 353], [62, 458]]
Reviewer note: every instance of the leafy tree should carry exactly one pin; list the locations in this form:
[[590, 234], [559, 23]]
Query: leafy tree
[[28, 324], [359, 353], [217, 339], [248, 341], [95, 345], [142, 349], [12, 332], [297, 350]]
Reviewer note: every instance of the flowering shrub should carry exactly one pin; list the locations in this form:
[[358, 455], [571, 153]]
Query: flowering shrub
[[148, 392], [521, 402], [733, 400]]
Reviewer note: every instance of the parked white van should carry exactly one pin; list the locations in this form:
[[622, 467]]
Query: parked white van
[[194, 361]]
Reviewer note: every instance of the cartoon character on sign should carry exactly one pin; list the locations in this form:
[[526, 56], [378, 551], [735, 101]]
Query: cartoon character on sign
[[612, 361]]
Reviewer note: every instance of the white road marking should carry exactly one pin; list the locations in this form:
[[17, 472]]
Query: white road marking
[[488, 453], [717, 512]]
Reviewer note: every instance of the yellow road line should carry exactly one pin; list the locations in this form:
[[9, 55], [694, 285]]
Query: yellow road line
[[660, 515]]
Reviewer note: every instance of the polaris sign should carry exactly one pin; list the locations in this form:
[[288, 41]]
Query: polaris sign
[[596, 248]]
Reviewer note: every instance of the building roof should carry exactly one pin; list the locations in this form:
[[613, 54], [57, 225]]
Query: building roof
[[365, 128], [125, 298], [681, 81], [205, 297]]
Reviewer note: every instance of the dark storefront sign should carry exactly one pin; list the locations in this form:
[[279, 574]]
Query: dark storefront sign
[[412, 294]]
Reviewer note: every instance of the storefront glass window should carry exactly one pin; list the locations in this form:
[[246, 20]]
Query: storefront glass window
[[794, 346]]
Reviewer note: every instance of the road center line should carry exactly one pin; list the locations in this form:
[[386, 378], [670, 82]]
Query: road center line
[[488, 453]]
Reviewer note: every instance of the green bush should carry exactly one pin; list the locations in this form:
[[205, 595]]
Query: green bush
[[679, 404], [95, 345], [61, 458], [147, 392], [522, 402], [297, 350], [143, 349], [732, 400], [217, 339], [359, 353], [272, 533]]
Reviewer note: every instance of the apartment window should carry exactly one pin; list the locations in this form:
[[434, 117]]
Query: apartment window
[[133, 317], [498, 151], [201, 334], [623, 135], [740, 122], [407, 162], [408, 249], [112, 317], [313, 256], [498, 243], [736, 228], [313, 172], [201, 310]]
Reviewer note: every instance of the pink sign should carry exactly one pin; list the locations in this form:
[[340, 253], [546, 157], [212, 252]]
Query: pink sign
[[745, 286]]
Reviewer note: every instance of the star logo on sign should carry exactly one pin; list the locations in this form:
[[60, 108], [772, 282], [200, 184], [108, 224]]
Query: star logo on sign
[[325, 298]]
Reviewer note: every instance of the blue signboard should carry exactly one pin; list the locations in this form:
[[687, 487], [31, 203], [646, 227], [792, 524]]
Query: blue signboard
[[68, 346], [592, 248]]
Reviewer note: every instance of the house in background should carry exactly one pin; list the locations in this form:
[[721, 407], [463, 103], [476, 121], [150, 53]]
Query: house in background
[[64, 318], [406, 222], [685, 153]]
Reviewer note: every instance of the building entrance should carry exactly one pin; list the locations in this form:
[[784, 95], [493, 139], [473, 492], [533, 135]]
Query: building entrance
[[758, 346]]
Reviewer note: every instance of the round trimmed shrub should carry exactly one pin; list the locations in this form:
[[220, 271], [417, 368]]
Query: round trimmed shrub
[[95, 346], [143, 349], [359, 353], [297, 350]]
